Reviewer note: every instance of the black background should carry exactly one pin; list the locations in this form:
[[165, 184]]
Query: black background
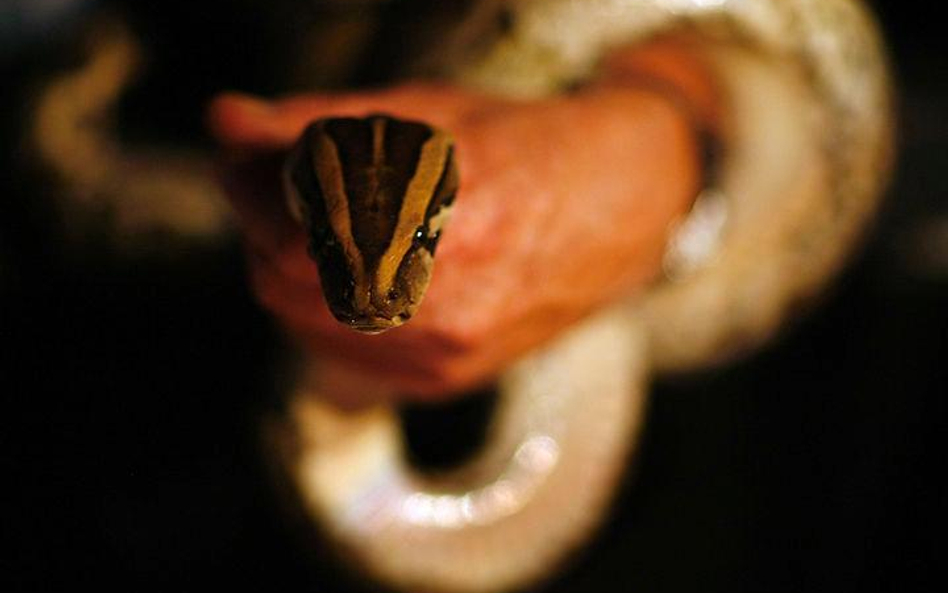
[[133, 392]]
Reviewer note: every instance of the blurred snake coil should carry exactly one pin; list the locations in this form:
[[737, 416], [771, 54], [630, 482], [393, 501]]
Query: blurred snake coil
[[806, 149], [806, 152]]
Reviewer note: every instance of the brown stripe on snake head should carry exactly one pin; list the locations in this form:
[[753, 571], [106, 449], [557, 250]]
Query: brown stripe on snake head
[[316, 198], [375, 197], [433, 163]]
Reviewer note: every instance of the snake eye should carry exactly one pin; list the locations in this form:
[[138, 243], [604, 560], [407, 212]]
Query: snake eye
[[392, 294], [432, 242], [419, 233]]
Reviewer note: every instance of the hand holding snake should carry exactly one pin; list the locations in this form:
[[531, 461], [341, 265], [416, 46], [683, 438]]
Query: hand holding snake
[[531, 247], [582, 178]]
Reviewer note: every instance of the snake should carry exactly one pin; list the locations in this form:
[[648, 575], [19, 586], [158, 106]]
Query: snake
[[806, 148], [805, 153], [374, 194]]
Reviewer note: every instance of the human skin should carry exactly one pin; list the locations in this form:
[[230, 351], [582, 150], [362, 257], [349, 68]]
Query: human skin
[[565, 205]]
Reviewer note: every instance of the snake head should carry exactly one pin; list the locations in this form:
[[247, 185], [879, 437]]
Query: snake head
[[373, 194]]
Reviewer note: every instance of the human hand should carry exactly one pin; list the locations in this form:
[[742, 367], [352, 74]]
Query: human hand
[[565, 204]]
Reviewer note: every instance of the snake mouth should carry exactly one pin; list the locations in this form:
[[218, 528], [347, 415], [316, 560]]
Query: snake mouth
[[373, 325], [373, 320]]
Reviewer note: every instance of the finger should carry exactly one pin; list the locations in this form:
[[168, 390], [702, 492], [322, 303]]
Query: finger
[[240, 121], [245, 122]]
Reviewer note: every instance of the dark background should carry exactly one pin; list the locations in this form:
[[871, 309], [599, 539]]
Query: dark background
[[132, 394]]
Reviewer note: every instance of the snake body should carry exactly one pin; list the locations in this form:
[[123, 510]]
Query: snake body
[[806, 148]]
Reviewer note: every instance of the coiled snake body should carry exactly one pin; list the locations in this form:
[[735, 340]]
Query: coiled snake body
[[806, 150]]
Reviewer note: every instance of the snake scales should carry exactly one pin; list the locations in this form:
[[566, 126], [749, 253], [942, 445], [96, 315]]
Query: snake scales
[[806, 149]]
